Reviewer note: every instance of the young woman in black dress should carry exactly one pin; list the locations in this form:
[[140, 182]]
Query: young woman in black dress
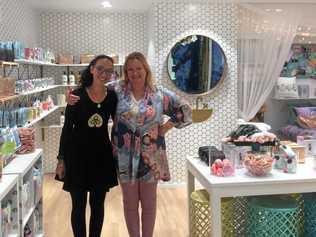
[[85, 160]]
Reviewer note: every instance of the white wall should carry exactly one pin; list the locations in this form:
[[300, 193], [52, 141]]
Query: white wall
[[173, 20], [96, 33], [18, 22]]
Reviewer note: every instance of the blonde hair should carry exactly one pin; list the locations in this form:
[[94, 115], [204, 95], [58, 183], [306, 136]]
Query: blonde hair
[[149, 80]]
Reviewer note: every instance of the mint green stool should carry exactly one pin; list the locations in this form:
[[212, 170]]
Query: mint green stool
[[273, 216], [310, 215]]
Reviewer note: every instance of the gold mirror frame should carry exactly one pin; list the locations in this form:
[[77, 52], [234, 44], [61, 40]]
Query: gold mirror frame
[[221, 80]]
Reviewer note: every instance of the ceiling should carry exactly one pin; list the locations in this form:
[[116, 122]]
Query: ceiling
[[127, 5], [306, 7]]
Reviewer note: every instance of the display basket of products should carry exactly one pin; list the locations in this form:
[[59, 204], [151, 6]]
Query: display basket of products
[[244, 143], [249, 134], [258, 164]]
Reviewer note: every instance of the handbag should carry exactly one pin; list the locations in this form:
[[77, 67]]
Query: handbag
[[208, 154]]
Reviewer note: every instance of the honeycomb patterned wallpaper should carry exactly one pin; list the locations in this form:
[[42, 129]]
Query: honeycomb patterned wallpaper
[[173, 20], [76, 33], [154, 33], [18, 22], [95, 33]]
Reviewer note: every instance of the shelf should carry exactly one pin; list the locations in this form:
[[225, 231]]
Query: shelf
[[4, 63], [28, 93], [41, 63], [13, 235], [83, 65], [38, 90], [68, 85], [22, 163], [26, 218], [42, 116], [285, 99], [33, 62], [6, 184]]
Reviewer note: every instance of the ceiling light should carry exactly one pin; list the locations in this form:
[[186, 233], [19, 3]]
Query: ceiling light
[[303, 38], [106, 4], [278, 10], [192, 7], [309, 42], [299, 28], [309, 28], [268, 10]]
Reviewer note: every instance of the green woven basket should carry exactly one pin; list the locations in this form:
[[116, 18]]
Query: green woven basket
[[200, 220]]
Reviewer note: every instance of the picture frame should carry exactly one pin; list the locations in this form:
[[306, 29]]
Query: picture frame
[[310, 146]]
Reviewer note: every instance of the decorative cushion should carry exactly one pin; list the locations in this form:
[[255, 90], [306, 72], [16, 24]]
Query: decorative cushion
[[305, 111], [306, 116], [306, 122]]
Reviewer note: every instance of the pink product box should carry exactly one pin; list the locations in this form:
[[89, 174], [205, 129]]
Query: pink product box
[[29, 53]]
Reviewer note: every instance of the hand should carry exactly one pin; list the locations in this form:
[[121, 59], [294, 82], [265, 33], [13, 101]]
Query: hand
[[164, 128], [70, 98], [60, 169]]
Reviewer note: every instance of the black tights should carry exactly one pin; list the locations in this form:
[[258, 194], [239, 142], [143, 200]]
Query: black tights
[[78, 220]]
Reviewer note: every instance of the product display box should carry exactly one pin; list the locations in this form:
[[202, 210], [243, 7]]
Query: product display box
[[86, 58], [298, 149], [65, 59]]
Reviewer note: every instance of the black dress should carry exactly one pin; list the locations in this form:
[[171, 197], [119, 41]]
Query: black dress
[[85, 145]]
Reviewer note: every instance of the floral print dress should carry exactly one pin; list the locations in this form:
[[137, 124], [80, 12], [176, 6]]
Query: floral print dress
[[139, 149]]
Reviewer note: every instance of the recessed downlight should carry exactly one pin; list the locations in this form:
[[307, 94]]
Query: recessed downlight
[[106, 4]]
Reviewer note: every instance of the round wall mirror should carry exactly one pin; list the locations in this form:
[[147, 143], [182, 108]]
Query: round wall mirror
[[197, 64]]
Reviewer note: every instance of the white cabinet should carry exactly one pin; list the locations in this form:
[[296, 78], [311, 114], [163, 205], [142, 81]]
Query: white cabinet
[[29, 168], [9, 201]]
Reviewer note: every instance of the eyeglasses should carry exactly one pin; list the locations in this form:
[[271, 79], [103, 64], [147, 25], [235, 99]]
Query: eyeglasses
[[107, 72]]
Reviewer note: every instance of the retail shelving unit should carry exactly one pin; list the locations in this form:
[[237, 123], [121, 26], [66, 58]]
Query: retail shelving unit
[[9, 199], [68, 66], [16, 96], [29, 169], [42, 116]]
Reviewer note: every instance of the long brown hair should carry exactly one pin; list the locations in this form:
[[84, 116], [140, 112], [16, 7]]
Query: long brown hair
[[149, 81]]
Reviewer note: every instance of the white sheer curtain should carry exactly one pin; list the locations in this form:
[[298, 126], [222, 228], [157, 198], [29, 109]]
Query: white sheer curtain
[[263, 46]]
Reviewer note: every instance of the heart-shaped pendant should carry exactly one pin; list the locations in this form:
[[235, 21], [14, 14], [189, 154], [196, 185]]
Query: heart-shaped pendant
[[95, 121]]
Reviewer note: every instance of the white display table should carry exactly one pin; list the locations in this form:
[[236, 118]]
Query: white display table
[[304, 181]]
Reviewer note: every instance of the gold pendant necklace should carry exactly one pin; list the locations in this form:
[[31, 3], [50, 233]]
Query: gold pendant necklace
[[96, 100]]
